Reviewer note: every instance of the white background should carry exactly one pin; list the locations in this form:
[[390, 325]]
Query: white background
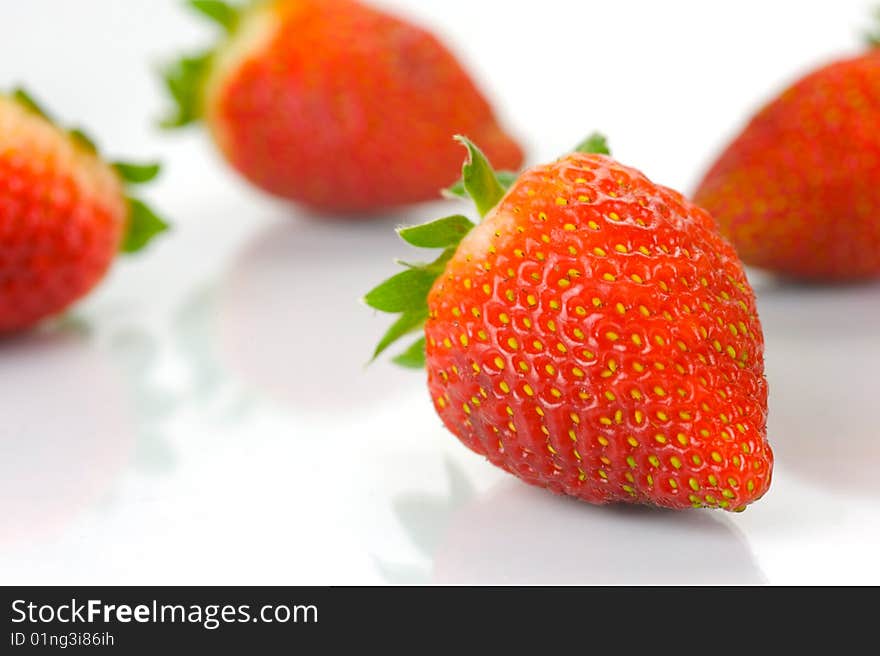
[[205, 416]]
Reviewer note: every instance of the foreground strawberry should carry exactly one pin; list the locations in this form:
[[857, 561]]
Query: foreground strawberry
[[334, 104], [594, 335], [64, 214], [798, 191]]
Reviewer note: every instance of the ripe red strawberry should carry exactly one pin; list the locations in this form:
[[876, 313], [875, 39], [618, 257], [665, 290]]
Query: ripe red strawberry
[[334, 104], [64, 214], [594, 335], [798, 191]]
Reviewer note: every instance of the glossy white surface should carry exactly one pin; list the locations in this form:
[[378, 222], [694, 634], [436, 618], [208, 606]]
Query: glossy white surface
[[205, 416]]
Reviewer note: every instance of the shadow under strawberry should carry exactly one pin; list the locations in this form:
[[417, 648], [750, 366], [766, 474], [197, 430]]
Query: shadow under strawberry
[[519, 535], [516, 534], [288, 321], [822, 359]]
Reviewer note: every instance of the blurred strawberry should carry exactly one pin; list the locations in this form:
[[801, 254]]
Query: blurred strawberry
[[334, 104], [798, 191], [64, 214]]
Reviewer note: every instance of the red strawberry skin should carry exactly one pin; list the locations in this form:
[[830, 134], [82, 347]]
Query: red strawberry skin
[[798, 192], [62, 218], [344, 108], [597, 337]]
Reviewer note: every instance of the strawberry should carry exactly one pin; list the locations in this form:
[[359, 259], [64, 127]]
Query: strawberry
[[64, 214], [798, 191], [334, 104], [594, 335]]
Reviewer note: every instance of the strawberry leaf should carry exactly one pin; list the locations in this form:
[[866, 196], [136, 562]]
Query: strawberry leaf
[[221, 13], [27, 101], [456, 191], [404, 292], [595, 144], [441, 233], [436, 267], [407, 323], [137, 173], [413, 357], [83, 140], [872, 37], [411, 265], [184, 80], [479, 178], [506, 178], [143, 225]]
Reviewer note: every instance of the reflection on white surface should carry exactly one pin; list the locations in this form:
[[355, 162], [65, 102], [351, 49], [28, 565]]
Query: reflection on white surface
[[289, 318], [136, 354], [65, 434], [425, 518], [823, 363], [516, 534], [210, 389]]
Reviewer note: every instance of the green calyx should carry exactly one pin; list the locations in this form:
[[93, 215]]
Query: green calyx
[[872, 36], [143, 223], [26, 100], [222, 13], [595, 144], [185, 78], [406, 293], [505, 179]]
